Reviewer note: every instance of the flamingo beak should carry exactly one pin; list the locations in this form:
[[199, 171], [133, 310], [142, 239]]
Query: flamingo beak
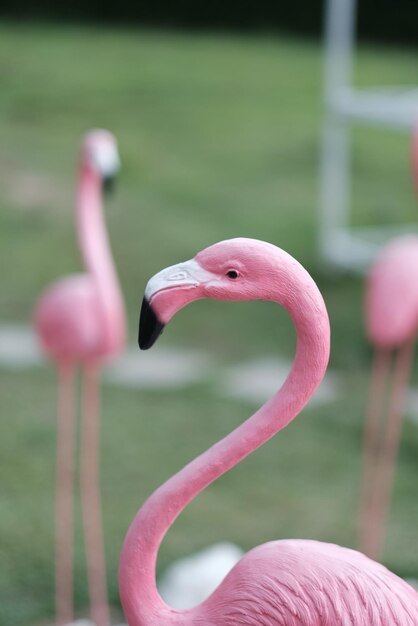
[[107, 162], [109, 184], [150, 327], [165, 294]]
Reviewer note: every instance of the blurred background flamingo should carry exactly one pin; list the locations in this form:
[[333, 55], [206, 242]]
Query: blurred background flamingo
[[80, 321], [392, 326]]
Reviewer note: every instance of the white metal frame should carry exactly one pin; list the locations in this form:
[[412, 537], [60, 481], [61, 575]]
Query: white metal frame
[[392, 107]]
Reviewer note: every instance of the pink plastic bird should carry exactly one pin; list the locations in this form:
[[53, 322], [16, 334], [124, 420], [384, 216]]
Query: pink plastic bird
[[80, 321], [281, 583], [392, 326]]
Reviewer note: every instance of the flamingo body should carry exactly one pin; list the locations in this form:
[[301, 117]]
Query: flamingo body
[[308, 583], [392, 294], [281, 583], [68, 321]]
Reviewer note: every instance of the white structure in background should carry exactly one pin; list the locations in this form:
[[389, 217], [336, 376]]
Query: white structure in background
[[392, 107], [191, 580]]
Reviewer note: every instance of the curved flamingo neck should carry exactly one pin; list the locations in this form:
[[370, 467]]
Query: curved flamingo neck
[[141, 602], [95, 249]]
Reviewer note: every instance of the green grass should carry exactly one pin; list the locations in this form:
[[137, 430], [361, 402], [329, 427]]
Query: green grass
[[219, 137]]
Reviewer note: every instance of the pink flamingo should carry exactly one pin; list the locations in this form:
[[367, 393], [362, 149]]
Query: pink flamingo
[[280, 583], [80, 320], [391, 314], [392, 324]]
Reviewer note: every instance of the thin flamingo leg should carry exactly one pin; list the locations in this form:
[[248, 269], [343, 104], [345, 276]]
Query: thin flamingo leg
[[385, 471], [64, 499], [371, 436], [90, 495]]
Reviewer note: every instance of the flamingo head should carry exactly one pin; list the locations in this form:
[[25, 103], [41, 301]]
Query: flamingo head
[[100, 154], [236, 269]]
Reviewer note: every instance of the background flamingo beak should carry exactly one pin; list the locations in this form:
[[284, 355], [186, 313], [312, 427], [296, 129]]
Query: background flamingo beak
[[150, 327], [109, 183]]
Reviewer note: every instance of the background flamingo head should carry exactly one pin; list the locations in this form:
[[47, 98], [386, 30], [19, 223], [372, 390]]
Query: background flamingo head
[[100, 155], [236, 269]]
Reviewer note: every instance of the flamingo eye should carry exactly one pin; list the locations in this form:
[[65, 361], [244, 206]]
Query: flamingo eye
[[232, 274]]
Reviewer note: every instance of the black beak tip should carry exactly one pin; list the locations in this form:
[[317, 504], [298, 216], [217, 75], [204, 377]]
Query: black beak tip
[[150, 327], [109, 184]]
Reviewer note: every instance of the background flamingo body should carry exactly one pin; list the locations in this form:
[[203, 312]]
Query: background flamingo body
[[80, 320], [67, 321], [281, 583], [392, 294]]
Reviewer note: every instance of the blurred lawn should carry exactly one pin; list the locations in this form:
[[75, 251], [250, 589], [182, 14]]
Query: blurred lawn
[[219, 137]]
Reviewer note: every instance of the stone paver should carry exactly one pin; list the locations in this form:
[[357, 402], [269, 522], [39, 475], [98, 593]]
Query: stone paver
[[258, 380], [162, 367], [18, 346]]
